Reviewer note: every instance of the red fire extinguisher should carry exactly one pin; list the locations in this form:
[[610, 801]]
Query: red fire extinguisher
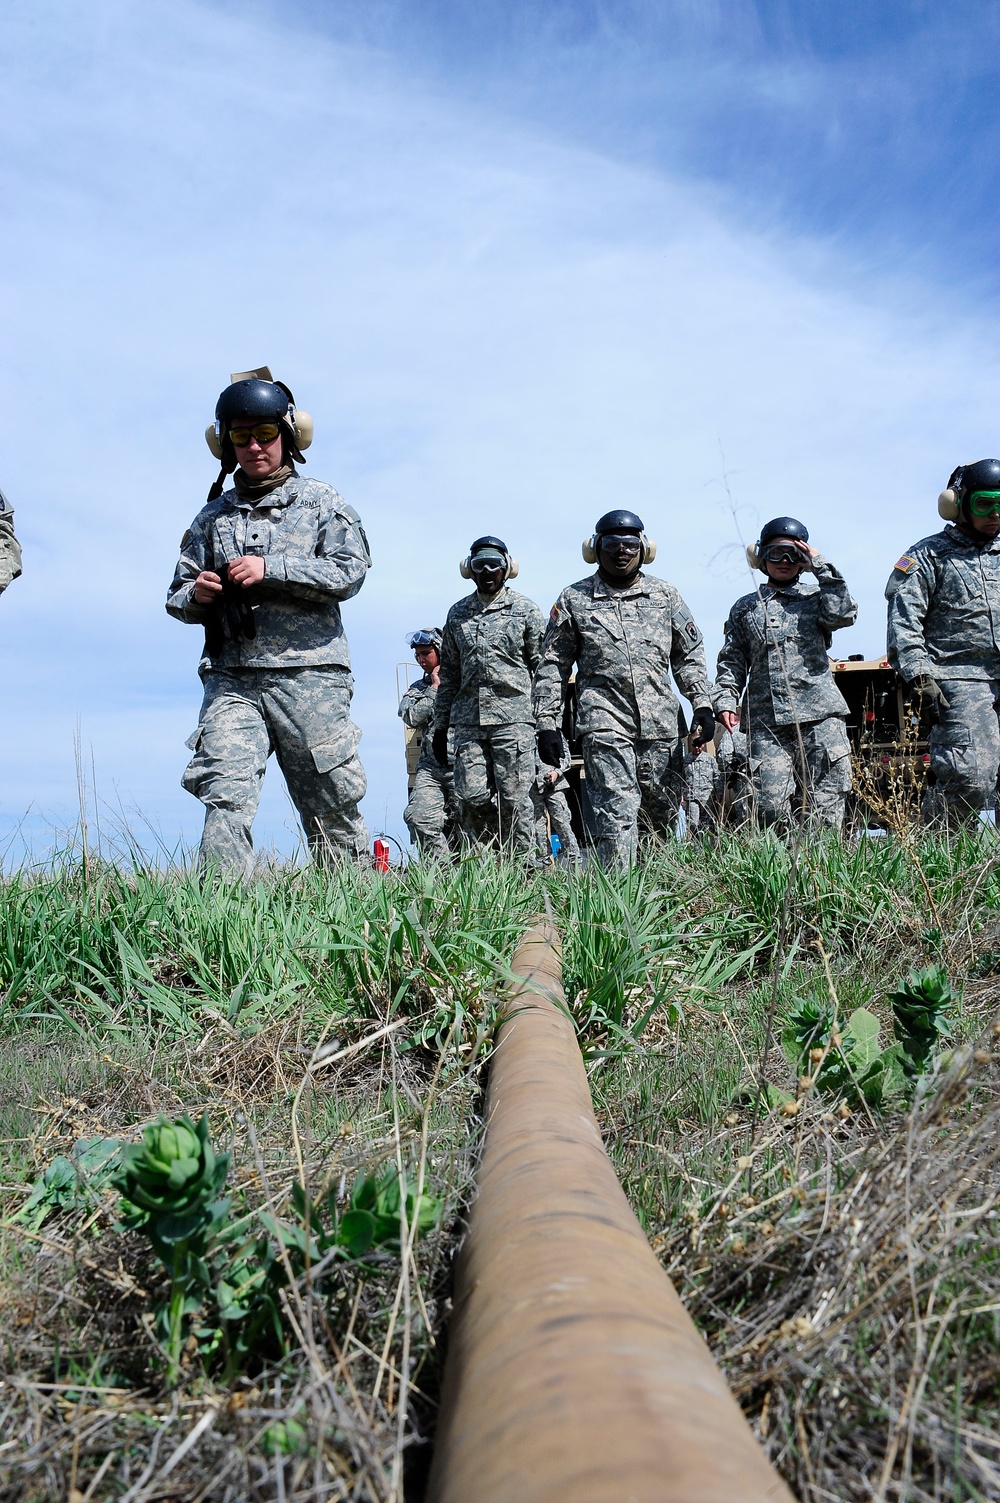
[[381, 855]]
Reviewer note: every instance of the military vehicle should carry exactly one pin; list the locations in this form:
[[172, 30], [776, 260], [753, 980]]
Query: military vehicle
[[888, 739]]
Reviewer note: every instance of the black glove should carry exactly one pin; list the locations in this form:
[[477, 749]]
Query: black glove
[[550, 747], [931, 696], [703, 726], [230, 618], [439, 745]]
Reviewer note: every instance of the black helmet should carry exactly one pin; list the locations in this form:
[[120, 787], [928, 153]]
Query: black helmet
[[255, 396], [489, 542], [619, 521], [783, 527], [498, 546], [984, 475], [254, 399]]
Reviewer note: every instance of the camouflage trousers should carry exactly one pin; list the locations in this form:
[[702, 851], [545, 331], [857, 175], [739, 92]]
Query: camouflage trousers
[[964, 751], [702, 776], [303, 715], [815, 770], [496, 760], [624, 776], [428, 811], [552, 817]]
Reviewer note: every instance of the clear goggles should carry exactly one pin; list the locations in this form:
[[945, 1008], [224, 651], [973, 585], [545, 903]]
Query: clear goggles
[[484, 563], [424, 638]]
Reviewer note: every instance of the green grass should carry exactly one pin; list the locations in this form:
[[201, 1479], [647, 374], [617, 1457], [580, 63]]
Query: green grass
[[127, 993]]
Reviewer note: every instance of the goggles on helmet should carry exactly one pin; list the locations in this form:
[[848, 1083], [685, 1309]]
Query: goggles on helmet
[[626, 540], [484, 562], [422, 639], [264, 433], [984, 503], [781, 553]]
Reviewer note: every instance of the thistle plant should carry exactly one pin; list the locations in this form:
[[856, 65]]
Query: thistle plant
[[920, 1010], [172, 1182]]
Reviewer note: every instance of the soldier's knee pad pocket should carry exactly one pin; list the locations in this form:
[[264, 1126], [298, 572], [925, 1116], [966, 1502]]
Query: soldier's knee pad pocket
[[953, 755]]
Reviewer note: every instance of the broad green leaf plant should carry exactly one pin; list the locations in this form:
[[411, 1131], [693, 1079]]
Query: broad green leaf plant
[[852, 1064]]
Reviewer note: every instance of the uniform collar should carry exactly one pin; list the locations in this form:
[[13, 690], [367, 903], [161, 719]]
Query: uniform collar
[[604, 591], [283, 495], [960, 540], [500, 599], [803, 585]]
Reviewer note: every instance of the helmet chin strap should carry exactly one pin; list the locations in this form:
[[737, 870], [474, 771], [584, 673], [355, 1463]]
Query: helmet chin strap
[[228, 466]]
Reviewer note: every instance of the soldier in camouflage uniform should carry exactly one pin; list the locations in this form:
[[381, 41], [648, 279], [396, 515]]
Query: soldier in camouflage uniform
[[944, 640], [776, 646], [263, 568], [428, 810], [734, 787], [626, 631], [551, 806], [702, 776], [10, 548], [488, 655]]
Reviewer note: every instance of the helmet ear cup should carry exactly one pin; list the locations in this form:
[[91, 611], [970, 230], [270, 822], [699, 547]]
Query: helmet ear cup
[[513, 567], [948, 505], [649, 549], [304, 428], [465, 568], [590, 550], [213, 440], [753, 557]]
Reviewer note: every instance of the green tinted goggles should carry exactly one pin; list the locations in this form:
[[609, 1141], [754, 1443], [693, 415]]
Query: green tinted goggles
[[984, 503]]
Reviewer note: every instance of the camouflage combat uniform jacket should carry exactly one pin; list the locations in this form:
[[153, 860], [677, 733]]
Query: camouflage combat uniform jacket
[[416, 710], [944, 608], [625, 644], [778, 638], [315, 554], [10, 549], [489, 652]]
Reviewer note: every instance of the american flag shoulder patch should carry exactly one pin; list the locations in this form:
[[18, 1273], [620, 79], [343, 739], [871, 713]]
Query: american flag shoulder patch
[[904, 564], [554, 615]]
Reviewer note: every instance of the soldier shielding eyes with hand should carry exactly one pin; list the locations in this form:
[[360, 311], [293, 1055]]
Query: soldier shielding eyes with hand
[[776, 647]]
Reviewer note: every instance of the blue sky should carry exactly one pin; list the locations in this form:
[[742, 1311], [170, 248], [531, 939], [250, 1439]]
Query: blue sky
[[522, 263]]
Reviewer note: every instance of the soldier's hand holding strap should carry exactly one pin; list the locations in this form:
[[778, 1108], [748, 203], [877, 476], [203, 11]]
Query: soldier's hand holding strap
[[439, 745], [550, 747], [703, 725]]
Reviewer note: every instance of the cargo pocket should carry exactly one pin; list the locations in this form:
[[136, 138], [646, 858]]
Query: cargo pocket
[[953, 756], [840, 779], [338, 762], [194, 772]]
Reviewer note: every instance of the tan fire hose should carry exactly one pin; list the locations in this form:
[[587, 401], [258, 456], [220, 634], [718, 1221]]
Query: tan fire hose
[[574, 1373]]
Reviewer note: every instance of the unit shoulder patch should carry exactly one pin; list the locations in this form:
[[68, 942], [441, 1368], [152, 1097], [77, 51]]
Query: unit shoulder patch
[[692, 631], [904, 564]]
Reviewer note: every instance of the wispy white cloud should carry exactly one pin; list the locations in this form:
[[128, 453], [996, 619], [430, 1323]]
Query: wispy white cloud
[[496, 330]]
